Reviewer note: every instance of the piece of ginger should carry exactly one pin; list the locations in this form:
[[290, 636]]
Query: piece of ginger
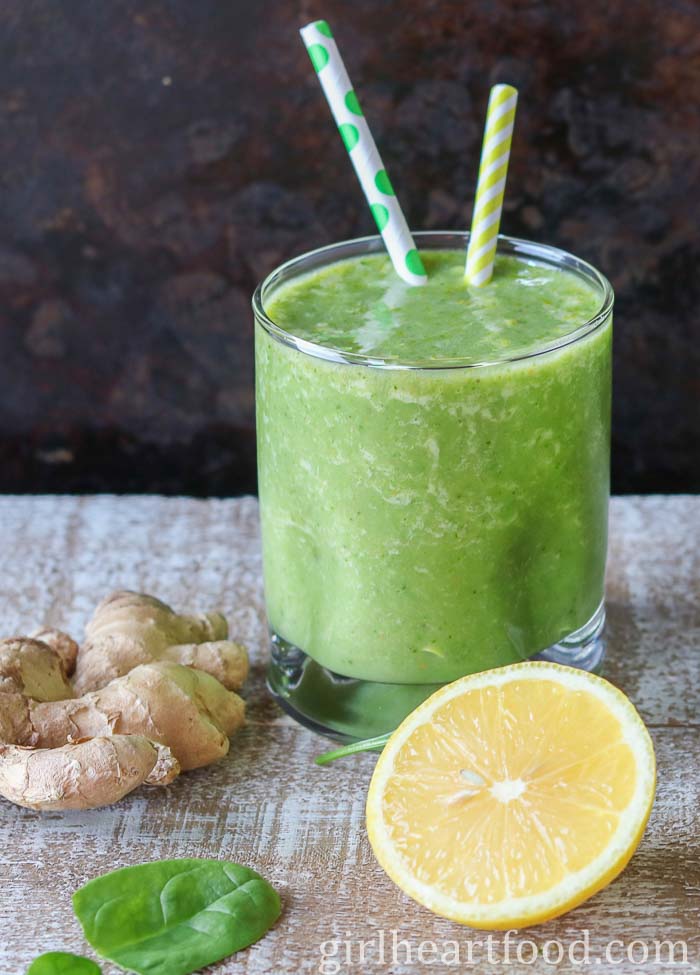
[[84, 774], [31, 667], [62, 644], [147, 718], [185, 709], [130, 628]]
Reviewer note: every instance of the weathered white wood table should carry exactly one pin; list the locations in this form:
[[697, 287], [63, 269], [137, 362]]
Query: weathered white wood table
[[302, 827]]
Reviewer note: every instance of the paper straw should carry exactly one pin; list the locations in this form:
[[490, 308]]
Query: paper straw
[[491, 184], [363, 152]]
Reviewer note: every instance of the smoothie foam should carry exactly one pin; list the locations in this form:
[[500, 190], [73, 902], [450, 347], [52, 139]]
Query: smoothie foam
[[423, 523], [360, 305]]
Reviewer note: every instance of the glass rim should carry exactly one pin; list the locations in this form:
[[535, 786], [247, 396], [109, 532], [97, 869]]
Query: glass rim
[[545, 253]]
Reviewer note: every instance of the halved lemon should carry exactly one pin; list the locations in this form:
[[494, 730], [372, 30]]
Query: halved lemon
[[511, 796]]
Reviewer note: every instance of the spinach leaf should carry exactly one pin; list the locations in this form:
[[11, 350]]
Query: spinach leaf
[[62, 963], [172, 917]]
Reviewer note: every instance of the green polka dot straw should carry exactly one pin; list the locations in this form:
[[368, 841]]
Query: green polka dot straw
[[363, 151]]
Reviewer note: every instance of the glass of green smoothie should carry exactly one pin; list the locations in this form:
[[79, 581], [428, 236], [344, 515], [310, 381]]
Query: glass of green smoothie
[[433, 472]]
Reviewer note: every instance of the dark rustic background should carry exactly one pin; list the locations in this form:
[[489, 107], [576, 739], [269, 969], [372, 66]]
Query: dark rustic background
[[159, 158]]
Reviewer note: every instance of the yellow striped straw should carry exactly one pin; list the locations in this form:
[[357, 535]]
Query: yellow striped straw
[[491, 185]]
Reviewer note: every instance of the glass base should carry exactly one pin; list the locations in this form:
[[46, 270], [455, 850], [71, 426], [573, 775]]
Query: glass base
[[347, 709]]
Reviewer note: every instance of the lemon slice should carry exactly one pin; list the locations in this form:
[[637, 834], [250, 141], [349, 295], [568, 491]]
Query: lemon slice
[[511, 796]]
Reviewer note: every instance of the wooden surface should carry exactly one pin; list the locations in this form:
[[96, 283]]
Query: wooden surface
[[268, 806]]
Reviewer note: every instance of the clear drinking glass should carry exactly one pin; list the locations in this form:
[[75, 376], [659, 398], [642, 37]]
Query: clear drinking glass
[[422, 521]]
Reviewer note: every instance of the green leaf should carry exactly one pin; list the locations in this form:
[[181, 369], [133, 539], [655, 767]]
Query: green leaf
[[62, 963], [172, 917], [368, 745]]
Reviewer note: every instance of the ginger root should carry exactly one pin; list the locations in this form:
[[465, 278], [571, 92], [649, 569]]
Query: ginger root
[[185, 709], [62, 644], [84, 774], [153, 712], [129, 628], [32, 668]]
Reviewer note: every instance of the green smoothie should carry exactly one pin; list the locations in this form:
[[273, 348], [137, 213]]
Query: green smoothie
[[439, 507]]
